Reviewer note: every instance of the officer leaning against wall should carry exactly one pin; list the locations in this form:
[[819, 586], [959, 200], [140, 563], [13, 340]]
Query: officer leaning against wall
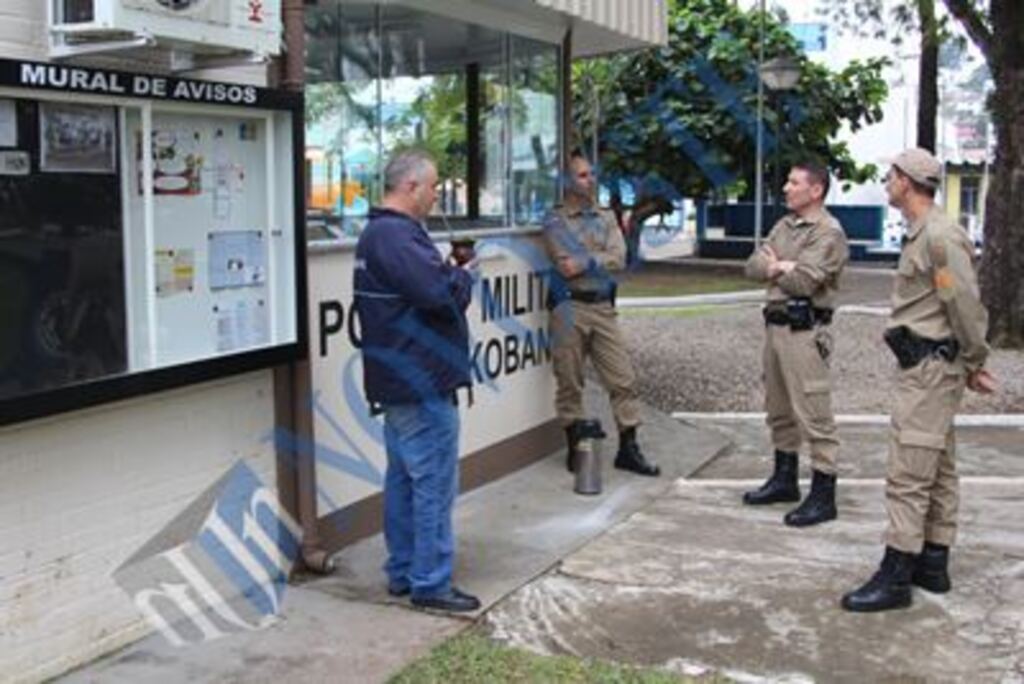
[[937, 333], [801, 262], [585, 244]]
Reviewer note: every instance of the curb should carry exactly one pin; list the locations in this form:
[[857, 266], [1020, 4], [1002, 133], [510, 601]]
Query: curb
[[1006, 420]]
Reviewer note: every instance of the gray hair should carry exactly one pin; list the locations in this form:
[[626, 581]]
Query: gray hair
[[407, 165]]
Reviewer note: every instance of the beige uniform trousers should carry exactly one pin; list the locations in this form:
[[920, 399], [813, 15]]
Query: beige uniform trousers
[[798, 396], [579, 330], [922, 487]]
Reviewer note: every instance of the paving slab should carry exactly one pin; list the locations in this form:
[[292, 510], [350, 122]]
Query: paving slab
[[511, 531], [345, 628], [318, 639], [698, 582], [981, 451]]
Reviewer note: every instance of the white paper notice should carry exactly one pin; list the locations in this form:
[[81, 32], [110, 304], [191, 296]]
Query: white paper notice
[[8, 124], [241, 325], [237, 259]]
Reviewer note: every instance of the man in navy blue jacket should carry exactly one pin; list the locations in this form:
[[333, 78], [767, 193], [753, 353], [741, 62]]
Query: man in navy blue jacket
[[415, 342]]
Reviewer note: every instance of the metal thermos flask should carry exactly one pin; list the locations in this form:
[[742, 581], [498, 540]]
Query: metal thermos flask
[[588, 458]]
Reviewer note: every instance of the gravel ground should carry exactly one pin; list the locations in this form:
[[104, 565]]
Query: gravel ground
[[712, 361]]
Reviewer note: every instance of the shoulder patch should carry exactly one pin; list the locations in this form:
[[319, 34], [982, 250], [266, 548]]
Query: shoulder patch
[[944, 280]]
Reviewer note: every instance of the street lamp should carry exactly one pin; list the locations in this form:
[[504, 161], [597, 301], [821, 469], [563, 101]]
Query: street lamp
[[779, 75]]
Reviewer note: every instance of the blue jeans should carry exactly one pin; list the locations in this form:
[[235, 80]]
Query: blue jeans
[[420, 485]]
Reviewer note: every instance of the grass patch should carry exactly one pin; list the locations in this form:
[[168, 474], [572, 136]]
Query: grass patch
[[680, 281], [471, 658]]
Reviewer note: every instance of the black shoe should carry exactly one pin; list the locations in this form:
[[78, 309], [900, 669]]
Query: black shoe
[[781, 486], [888, 588], [572, 439], [631, 458], [454, 601], [399, 590], [931, 572], [820, 504]]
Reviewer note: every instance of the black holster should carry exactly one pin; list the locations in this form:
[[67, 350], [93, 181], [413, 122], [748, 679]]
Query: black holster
[[910, 349]]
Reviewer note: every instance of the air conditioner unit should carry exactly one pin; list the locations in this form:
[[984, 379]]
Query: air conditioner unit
[[198, 26]]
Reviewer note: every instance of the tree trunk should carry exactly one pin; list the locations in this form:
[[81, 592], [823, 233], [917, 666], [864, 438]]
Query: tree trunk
[[928, 83], [645, 208], [1002, 267]]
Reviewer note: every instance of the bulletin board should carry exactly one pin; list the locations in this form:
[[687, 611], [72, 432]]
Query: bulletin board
[[220, 286], [148, 234]]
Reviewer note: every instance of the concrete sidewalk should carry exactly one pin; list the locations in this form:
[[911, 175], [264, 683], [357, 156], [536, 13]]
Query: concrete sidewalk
[[697, 582], [345, 628], [672, 573]]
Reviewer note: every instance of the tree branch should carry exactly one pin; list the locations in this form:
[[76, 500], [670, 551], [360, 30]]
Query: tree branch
[[974, 22]]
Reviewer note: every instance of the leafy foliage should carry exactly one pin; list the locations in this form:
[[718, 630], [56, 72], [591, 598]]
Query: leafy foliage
[[682, 118]]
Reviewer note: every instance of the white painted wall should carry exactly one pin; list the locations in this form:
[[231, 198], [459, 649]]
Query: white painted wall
[[505, 407], [80, 493]]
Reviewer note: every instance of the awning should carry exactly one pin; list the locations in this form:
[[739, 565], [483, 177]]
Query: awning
[[602, 26], [598, 26]]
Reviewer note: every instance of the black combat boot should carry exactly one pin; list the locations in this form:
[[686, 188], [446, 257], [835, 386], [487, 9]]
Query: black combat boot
[[888, 588], [931, 572], [820, 504], [781, 486], [630, 457], [572, 439]]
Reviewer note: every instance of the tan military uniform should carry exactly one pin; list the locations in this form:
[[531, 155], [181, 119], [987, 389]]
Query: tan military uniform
[[798, 397], [936, 297], [578, 329]]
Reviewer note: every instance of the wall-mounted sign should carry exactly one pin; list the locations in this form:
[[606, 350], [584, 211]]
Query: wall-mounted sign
[[24, 74]]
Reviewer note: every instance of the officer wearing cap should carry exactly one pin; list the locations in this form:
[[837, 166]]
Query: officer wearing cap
[[937, 333], [585, 245], [800, 262]]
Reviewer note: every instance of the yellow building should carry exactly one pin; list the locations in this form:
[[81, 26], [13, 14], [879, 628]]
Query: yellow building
[[964, 197]]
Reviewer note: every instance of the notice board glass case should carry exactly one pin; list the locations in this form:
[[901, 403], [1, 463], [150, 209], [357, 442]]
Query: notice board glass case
[[147, 234]]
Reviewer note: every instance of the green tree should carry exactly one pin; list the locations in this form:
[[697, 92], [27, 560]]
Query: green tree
[[683, 116], [436, 123], [997, 28], [912, 17]]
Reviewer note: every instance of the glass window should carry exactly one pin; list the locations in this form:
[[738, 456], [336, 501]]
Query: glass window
[[342, 116], [485, 104], [969, 195], [493, 153], [535, 125], [63, 308]]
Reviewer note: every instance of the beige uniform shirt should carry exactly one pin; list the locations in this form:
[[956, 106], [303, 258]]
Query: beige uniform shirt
[[818, 245], [591, 236], [936, 293]]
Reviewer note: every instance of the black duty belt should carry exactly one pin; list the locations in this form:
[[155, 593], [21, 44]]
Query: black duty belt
[[591, 297], [797, 314]]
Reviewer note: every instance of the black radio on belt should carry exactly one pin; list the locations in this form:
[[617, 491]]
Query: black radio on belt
[[798, 313], [910, 349]]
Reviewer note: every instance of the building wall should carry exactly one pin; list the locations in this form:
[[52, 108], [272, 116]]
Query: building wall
[[952, 196], [514, 390], [80, 493]]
